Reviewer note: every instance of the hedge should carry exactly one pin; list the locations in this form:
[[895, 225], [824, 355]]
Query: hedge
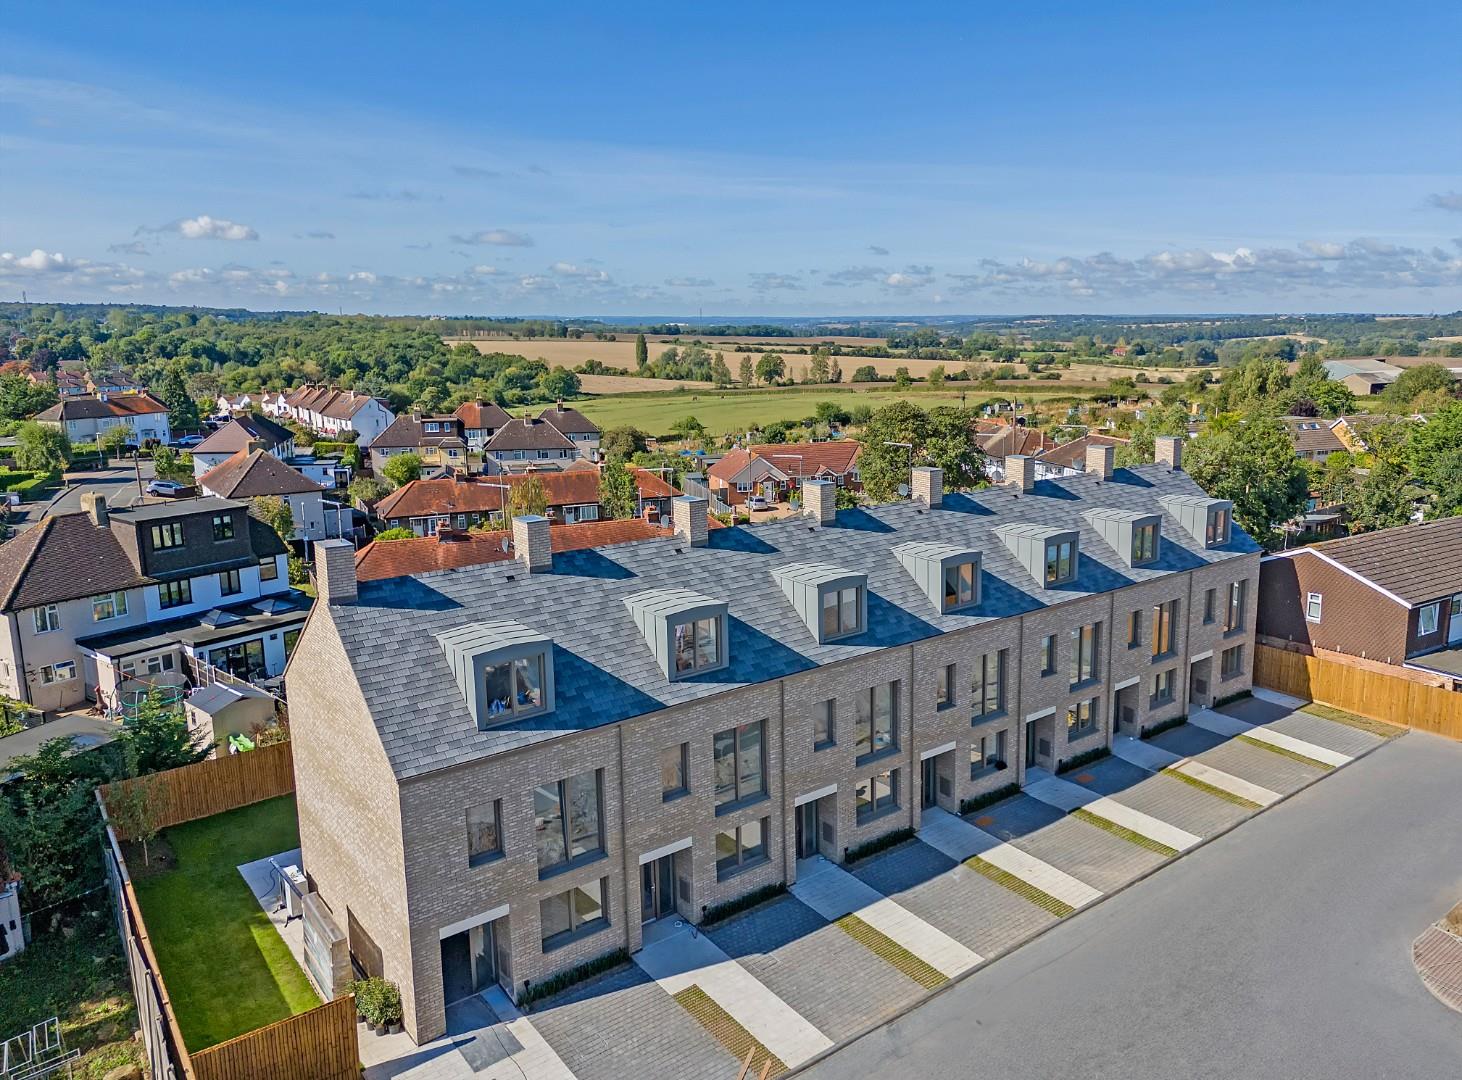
[[564, 979], [721, 912], [990, 798], [1086, 757], [27, 484], [877, 844]]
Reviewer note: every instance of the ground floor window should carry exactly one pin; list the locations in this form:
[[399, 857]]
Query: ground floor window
[[64, 671], [743, 846], [1231, 663], [877, 794], [1162, 689], [987, 754], [1081, 719], [244, 660], [566, 915]]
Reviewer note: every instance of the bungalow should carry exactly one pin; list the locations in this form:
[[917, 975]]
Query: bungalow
[[774, 469], [1312, 437]]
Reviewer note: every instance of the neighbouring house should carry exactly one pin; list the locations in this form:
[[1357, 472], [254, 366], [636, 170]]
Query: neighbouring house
[[775, 470], [426, 505], [242, 433], [1072, 457], [69, 379], [113, 382], [557, 750], [255, 473], [525, 440], [235, 404], [84, 419], [332, 412], [437, 440], [100, 602], [480, 422], [1311, 436], [1354, 431], [1392, 596], [999, 440], [578, 428]]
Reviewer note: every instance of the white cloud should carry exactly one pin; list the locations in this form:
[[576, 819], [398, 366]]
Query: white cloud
[[205, 227], [1323, 250], [42, 262], [483, 270], [689, 283], [497, 237], [583, 273]]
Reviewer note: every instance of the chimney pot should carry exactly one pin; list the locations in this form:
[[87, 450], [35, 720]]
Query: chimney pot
[[533, 543], [1168, 450], [820, 500], [928, 485], [95, 505], [688, 514], [1099, 460], [335, 571], [1020, 470]]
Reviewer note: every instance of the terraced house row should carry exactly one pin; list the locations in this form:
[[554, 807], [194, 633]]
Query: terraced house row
[[507, 770]]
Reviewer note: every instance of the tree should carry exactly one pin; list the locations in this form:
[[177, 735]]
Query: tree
[[113, 440], [558, 384], [1447, 479], [1333, 480], [817, 371], [168, 464], [747, 373], [770, 368], [618, 493], [1417, 380], [866, 373], [400, 532], [20, 398], [1380, 500], [902, 434], [936, 377], [642, 351], [172, 390], [402, 469], [367, 490], [527, 496], [134, 813], [1252, 464], [689, 429], [834, 371], [274, 512], [41, 448], [157, 737], [720, 373], [622, 443], [901, 378]]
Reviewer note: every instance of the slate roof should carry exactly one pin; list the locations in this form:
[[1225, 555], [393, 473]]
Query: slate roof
[[569, 421], [527, 433], [407, 431], [94, 408], [250, 474], [1418, 563], [242, 430], [1310, 434], [602, 672]]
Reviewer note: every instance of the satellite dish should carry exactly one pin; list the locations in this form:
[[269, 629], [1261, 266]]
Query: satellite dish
[[903, 491]]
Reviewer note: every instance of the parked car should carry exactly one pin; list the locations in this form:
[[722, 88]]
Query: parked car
[[757, 502], [187, 442], [167, 489]]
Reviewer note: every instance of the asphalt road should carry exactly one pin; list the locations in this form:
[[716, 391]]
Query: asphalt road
[[119, 483], [1281, 949]]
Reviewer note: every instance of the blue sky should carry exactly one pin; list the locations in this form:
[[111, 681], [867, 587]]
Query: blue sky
[[739, 159]]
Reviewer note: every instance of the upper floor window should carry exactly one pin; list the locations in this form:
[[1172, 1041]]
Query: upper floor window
[[484, 832], [987, 686], [229, 583], [167, 535], [960, 586], [111, 606], [1164, 620], [1233, 616], [739, 755], [431, 425], [841, 612], [568, 820], [223, 527], [673, 771], [944, 687], [1134, 629], [877, 720], [824, 724], [1313, 602], [1060, 562], [1048, 655], [48, 618], [515, 686], [697, 645], [1426, 619], [268, 569], [1217, 528], [1144, 544], [1085, 645], [1210, 599], [174, 593]]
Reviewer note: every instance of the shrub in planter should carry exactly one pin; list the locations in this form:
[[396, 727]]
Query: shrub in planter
[[378, 1002]]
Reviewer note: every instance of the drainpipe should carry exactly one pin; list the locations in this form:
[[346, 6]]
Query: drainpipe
[[21, 677]]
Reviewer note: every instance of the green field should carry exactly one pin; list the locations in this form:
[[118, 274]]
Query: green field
[[724, 411]]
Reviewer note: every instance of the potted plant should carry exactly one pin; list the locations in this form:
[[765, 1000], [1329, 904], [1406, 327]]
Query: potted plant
[[390, 1007], [368, 995]]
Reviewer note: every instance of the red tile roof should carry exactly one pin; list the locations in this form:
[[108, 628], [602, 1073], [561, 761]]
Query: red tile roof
[[1072, 455], [797, 460], [250, 474], [572, 487], [481, 415]]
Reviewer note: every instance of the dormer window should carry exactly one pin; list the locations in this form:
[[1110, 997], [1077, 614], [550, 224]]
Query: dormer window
[[1060, 561], [697, 645], [515, 687], [1144, 544], [1217, 531], [1202, 518], [431, 425], [841, 612], [503, 669], [686, 632], [961, 586], [948, 575]]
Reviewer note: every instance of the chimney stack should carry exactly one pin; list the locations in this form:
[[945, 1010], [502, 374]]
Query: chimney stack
[[820, 500], [255, 444], [95, 505], [688, 514], [1020, 470], [335, 571], [1168, 450], [928, 485], [532, 543], [1099, 460]]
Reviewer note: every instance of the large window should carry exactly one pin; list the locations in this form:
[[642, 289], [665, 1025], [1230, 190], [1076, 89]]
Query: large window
[[566, 915], [1081, 719], [223, 527], [1164, 620], [1217, 530], [824, 724], [944, 686], [1162, 689], [987, 754], [1233, 614], [484, 832], [743, 846], [1060, 562], [1144, 544], [840, 612], [174, 593], [515, 687], [959, 586], [740, 761], [229, 583], [697, 645], [1426, 619], [567, 820], [877, 794], [1231, 662], [987, 685], [1085, 643], [110, 606], [877, 720], [1048, 655], [47, 618], [673, 773], [167, 535]]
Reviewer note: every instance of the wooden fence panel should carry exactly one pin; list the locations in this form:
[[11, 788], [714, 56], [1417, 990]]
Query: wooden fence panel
[[1370, 693], [213, 786], [315, 1045]]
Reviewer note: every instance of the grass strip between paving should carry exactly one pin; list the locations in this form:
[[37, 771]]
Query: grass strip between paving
[[1363, 723], [926, 975], [1218, 792], [730, 1034], [1041, 899], [1262, 745], [1126, 834]]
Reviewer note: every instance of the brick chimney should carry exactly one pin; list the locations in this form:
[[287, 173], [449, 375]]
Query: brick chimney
[[533, 543], [1099, 460], [688, 514], [335, 571], [1168, 450], [1020, 470], [95, 505], [928, 485], [820, 500]]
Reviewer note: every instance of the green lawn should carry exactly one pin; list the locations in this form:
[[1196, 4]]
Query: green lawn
[[723, 411], [225, 966]]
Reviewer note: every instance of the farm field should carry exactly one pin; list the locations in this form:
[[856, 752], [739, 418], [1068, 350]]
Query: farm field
[[627, 384], [723, 411]]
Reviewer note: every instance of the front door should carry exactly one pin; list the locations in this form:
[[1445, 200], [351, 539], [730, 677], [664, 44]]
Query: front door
[[657, 888], [1032, 744], [469, 962], [929, 796], [807, 830]]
